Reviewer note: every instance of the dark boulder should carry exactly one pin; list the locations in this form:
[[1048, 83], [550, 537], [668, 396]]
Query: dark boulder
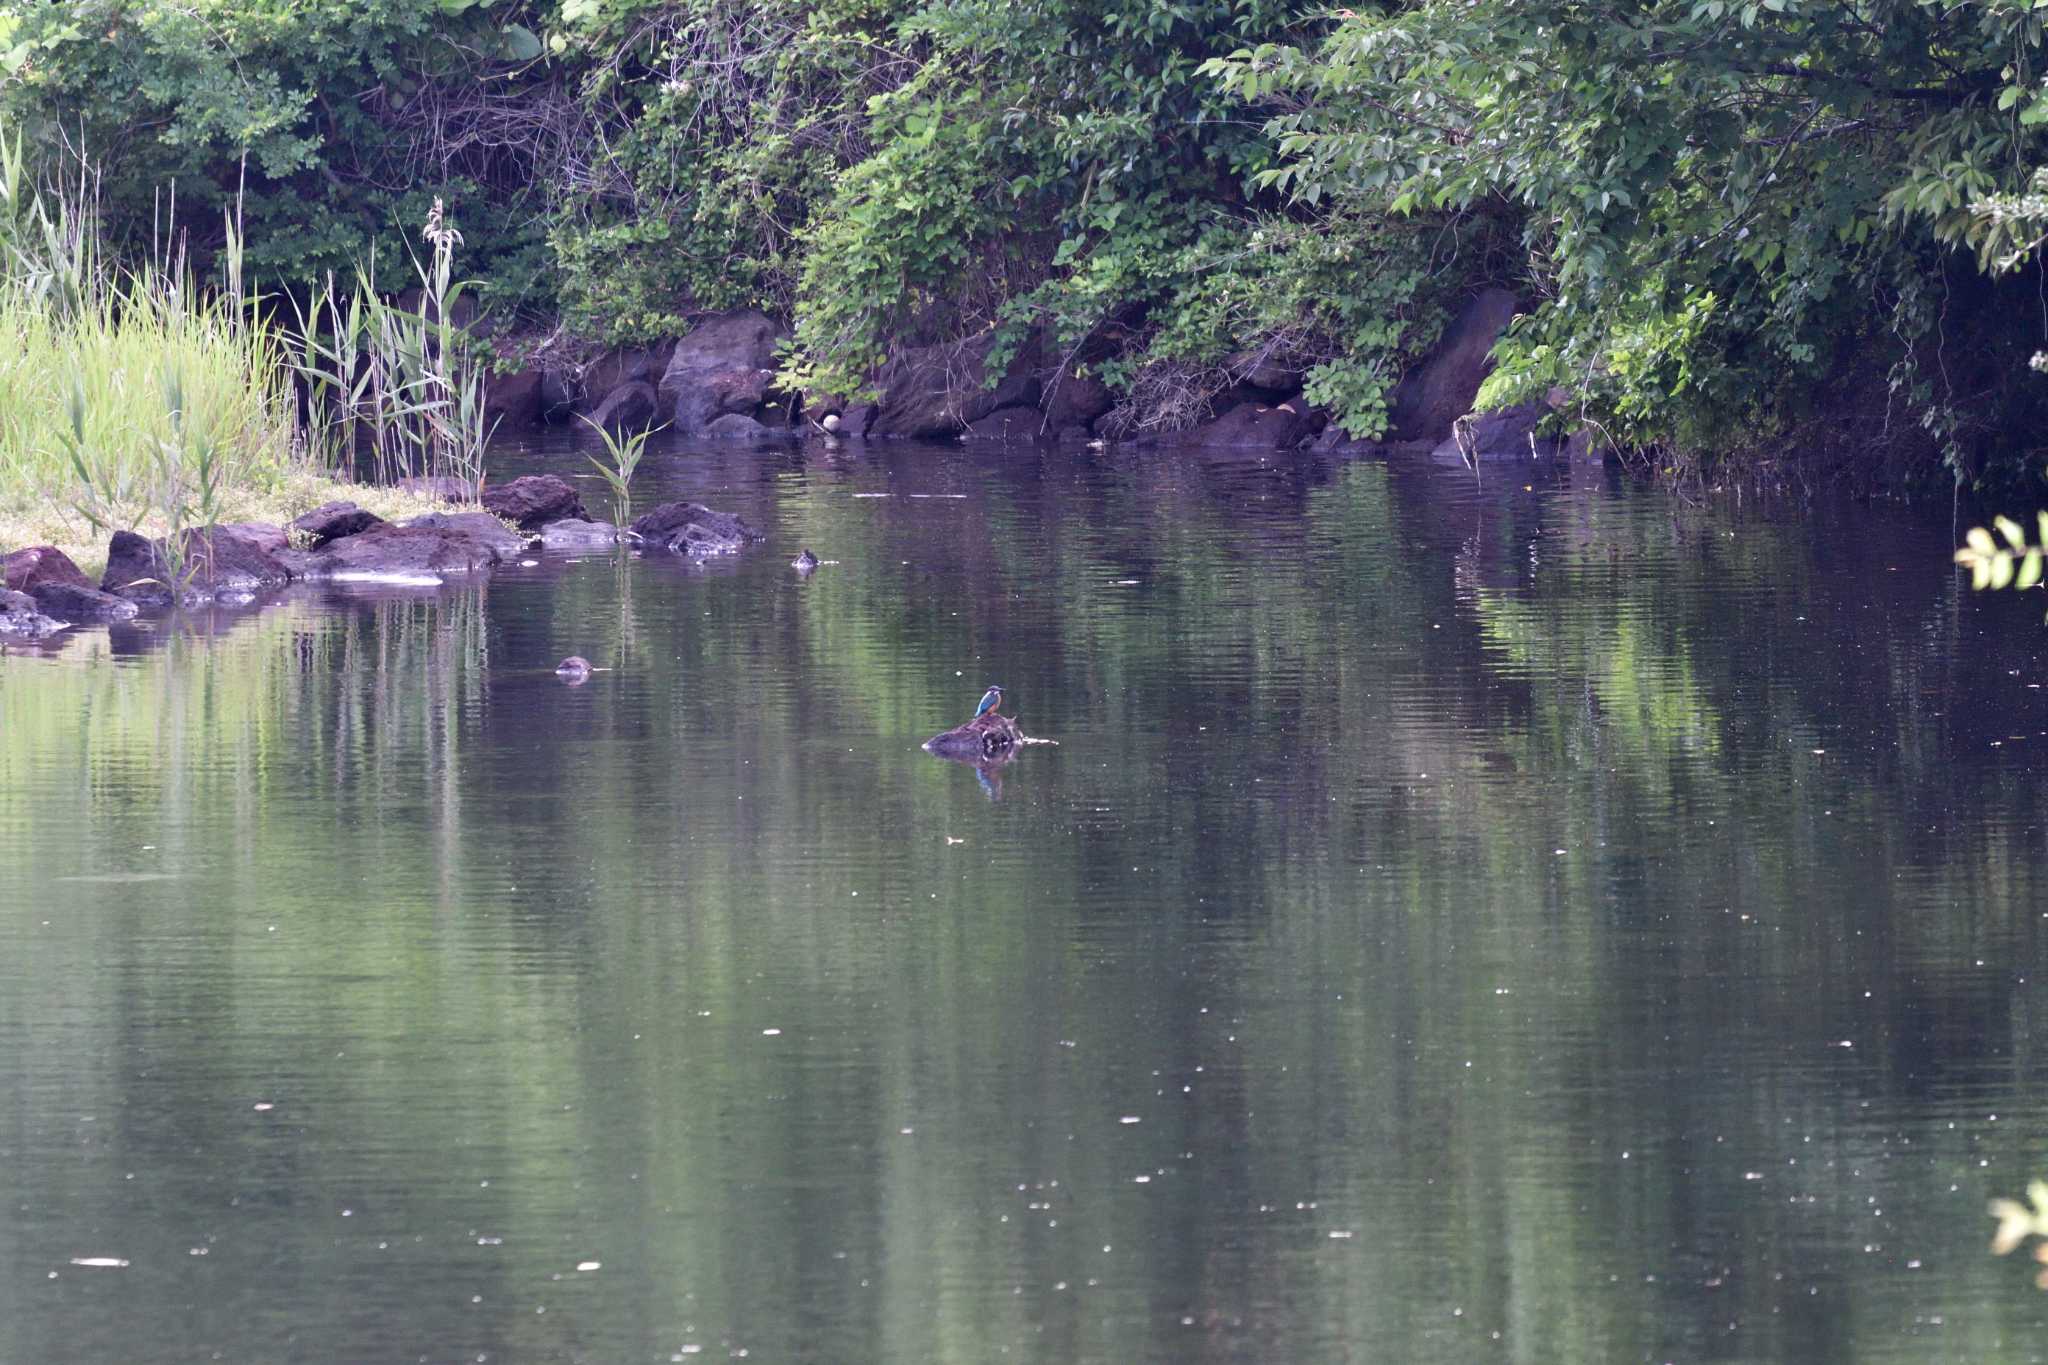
[[629, 407], [595, 380], [332, 521], [693, 529], [559, 392], [1442, 389], [1254, 426], [481, 527], [27, 569], [1503, 435], [724, 366], [426, 548], [533, 500], [579, 535], [20, 620], [1008, 425], [1334, 440], [856, 420], [736, 426], [265, 536], [513, 398], [71, 602], [214, 563], [940, 391], [1074, 403]]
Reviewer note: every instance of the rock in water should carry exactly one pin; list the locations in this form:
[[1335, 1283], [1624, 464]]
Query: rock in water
[[480, 527], [69, 602], [579, 535], [804, 562], [403, 553], [693, 529], [986, 736], [19, 619], [534, 500], [725, 366], [573, 670], [215, 563], [28, 569], [332, 521]]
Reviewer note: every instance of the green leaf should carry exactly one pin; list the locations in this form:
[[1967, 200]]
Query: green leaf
[[520, 44]]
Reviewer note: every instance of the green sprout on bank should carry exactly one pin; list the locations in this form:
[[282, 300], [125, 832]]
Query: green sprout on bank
[[2017, 1222], [2014, 564], [622, 457]]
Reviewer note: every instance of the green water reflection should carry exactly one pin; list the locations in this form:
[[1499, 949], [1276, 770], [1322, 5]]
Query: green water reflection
[[1547, 924]]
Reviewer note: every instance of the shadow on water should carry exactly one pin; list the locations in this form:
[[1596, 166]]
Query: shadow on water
[[1534, 919]]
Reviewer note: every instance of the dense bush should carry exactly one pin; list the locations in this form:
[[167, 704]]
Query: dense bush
[[1765, 226], [1724, 204]]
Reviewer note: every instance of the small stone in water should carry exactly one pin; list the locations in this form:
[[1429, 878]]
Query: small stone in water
[[573, 670], [590, 1265]]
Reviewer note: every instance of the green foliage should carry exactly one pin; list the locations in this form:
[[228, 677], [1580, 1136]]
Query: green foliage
[[2011, 564], [1723, 204], [327, 122], [401, 380], [132, 397], [622, 457]]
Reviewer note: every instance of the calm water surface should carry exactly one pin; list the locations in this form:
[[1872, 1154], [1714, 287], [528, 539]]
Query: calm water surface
[[1529, 924]]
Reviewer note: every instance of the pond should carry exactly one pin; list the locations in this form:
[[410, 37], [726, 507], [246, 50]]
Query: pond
[[1537, 921]]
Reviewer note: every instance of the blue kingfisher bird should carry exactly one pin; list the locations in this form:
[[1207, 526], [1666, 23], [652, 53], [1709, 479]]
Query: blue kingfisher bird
[[990, 701]]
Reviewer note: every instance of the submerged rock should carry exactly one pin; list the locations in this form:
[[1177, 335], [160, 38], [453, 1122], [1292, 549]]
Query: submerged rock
[[26, 569], [213, 564], [1008, 425], [76, 604], [1254, 426], [573, 670], [736, 426], [805, 562], [534, 500], [19, 619], [693, 529], [332, 521], [579, 535]]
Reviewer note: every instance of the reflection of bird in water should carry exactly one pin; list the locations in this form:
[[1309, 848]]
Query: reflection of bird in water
[[990, 700], [991, 781]]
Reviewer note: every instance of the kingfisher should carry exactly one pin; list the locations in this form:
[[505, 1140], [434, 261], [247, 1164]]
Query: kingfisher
[[990, 701]]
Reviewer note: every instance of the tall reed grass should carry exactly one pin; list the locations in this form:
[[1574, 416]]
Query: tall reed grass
[[126, 396], [131, 398]]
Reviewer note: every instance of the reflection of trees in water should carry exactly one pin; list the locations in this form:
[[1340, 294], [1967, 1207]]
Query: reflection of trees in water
[[1297, 854]]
